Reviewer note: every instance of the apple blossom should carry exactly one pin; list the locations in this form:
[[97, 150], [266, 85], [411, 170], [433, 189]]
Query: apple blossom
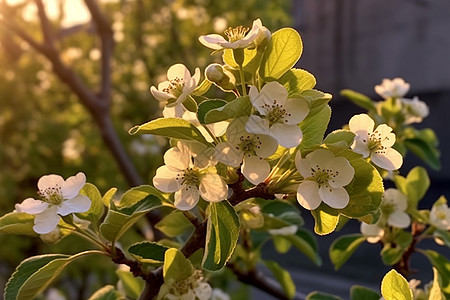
[[180, 84], [191, 288], [189, 177], [278, 115], [414, 110], [248, 149], [325, 177], [59, 197], [393, 208], [287, 230], [440, 216], [373, 232], [395, 88], [375, 143]]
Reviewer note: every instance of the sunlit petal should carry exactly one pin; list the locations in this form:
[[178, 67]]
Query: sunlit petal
[[268, 146], [399, 219], [186, 198], [287, 136], [46, 221], [342, 172], [166, 180], [212, 41], [297, 110], [229, 154], [31, 206], [361, 124], [72, 186], [50, 182], [212, 188], [257, 125], [308, 195], [388, 159], [335, 197], [78, 204], [255, 169], [178, 71]]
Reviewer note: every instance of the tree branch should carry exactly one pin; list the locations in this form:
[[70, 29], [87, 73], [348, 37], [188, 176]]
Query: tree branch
[[46, 28]]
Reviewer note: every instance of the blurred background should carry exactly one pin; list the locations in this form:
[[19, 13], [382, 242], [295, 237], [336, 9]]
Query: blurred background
[[75, 77]]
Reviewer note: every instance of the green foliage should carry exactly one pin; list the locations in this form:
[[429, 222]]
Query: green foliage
[[343, 247], [174, 224], [96, 211], [313, 128], [326, 219], [132, 286], [222, 235], [282, 52], [393, 252], [208, 105], [423, 144], [283, 277], [304, 241], [17, 223], [239, 107], [321, 296], [296, 81], [139, 193], [435, 291], [341, 138], [442, 266], [359, 99], [148, 252], [362, 293], [107, 292], [176, 266], [414, 186], [395, 287]]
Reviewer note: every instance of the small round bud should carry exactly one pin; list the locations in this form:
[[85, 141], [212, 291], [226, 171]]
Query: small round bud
[[51, 237], [214, 73]]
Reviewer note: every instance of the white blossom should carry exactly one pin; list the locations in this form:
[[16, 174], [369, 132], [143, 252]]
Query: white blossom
[[375, 143], [414, 110], [395, 88], [279, 115], [373, 232], [192, 288], [59, 197], [394, 207], [325, 177], [189, 175], [218, 294], [287, 230], [180, 84], [248, 149], [239, 37], [440, 216]]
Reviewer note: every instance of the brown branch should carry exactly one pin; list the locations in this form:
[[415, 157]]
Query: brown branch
[[46, 28]]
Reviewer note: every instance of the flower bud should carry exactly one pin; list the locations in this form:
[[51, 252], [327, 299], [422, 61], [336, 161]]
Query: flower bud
[[214, 73], [263, 37], [51, 237]]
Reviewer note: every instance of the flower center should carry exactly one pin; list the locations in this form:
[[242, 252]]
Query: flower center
[[236, 34], [175, 87], [248, 144], [190, 177], [52, 195], [388, 208], [441, 215], [275, 112], [374, 143], [321, 177]]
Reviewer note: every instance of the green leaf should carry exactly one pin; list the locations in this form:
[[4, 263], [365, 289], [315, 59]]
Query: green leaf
[[108, 196], [282, 244], [107, 292], [358, 292], [17, 223], [418, 184], [321, 296], [443, 235], [137, 194], [238, 107], [132, 286], [148, 252], [296, 81], [342, 138], [391, 254], [442, 265], [313, 128], [304, 241], [317, 100], [326, 219], [359, 99], [435, 291], [36, 273], [95, 212], [424, 151], [250, 56], [282, 52], [174, 224], [283, 277], [208, 105], [221, 236], [343, 247], [176, 266], [395, 287], [118, 221], [170, 127], [202, 88]]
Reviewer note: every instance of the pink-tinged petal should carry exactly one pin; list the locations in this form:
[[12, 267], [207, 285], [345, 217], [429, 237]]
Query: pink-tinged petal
[[176, 111], [186, 198], [194, 81], [296, 111], [73, 185], [308, 195], [303, 166], [360, 145], [267, 145], [320, 158], [257, 125], [399, 219], [79, 204], [287, 136], [178, 71], [31, 206], [212, 41], [50, 182], [361, 124], [251, 35], [229, 154], [388, 159], [160, 96], [212, 188], [335, 197], [389, 141], [46, 221], [342, 172], [177, 160], [166, 180], [255, 169]]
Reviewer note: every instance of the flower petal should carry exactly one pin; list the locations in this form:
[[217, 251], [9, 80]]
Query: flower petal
[[268, 146], [389, 140], [388, 159], [308, 195], [176, 111], [229, 155], [167, 180], [335, 197], [186, 198], [31, 206], [361, 124], [78, 204], [342, 172], [212, 188], [203, 291], [212, 41], [160, 96], [360, 145], [178, 71], [257, 125], [272, 92], [297, 110], [255, 169], [320, 158], [372, 231], [50, 182], [46, 221], [303, 166], [177, 159], [395, 198], [287, 136], [73, 185], [399, 219]]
